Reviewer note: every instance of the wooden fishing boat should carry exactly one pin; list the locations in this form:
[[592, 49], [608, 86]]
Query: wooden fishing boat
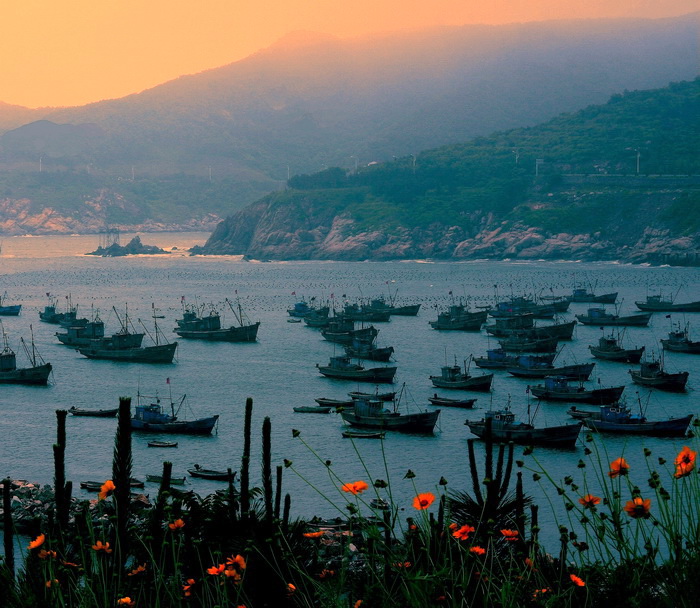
[[162, 444], [313, 409], [598, 316], [656, 303], [36, 374], [96, 413], [83, 335], [50, 313], [356, 434], [447, 402], [619, 419], [96, 486], [212, 474], [583, 295], [518, 344], [458, 318], [610, 349], [652, 374], [390, 396], [150, 417], [498, 358], [529, 367], [208, 327], [326, 402], [356, 312], [370, 351], [679, 341], [365, 335], [505, 326], [452, 376], [174, 481], [371, 414], [380, 304], [9, 310], [304, 309], [342, 368], [557, 388], [501, 426]]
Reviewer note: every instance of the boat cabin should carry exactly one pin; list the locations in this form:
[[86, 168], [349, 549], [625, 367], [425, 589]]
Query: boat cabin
[[8, 360], [152, 413], [556, 383], [451, 373]]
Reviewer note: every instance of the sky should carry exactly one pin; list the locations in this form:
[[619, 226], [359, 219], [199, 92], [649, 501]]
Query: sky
[[73, 52]]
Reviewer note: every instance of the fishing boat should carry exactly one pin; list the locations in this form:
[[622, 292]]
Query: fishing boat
[[498, 358], [74, 411], [656, 303], [557, 388], [174, 481], [340, 367], [679, 341], [598, 316], [162, 444], [447, 402], [83, 334], [610, 349], [326, 402], [458, 318], [505, 326], [96, 486], [212, 474], [619, 418], [313, 409], [390, 396], [500, 425], [37, 373], [452, 376], [321, 321], [372, 352], [9, 310], [583, 295], [304, 309], [407, 310], [372, 414], [652, 374], [208, 326], [150, 417], [518, 344], [531, 367], [357, 312], [50, 313], [353, 434], [364, 335]]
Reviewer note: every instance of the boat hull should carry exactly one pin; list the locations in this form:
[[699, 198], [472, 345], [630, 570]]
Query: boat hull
[[38, 375], [10, 311], [637, 320], [375, 374], [246, 333], [599, 396], [160, 353], [668, 307], [445, 402], [201, 426], [555, 436], [571, 372], [423, 422], [677, 346], [94, 413], [472, 383], [674, 383], [677, 427], [212, 475], [632, 355], [606, 298]]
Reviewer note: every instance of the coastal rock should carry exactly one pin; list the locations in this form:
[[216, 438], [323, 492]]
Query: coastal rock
[[133, 247]]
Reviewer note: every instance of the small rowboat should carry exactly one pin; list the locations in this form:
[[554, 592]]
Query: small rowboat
[[380, 396], [211, 474], [313, 409], [96, 413], [162, 444], [463, 403], [364, 434], [96, 486], [174, 481], [326, 402]]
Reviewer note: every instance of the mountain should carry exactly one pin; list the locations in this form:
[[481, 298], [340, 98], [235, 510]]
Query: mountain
[[312, 101], [614, 181]]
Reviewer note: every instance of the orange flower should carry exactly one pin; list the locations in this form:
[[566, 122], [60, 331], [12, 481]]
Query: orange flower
[[99, 546], [530, 564], [477, 550], [125, 601], [577, 580], [356, 487], [290, 588], [510, 535], [216, 570], [637, 507], [238, 562], [70, 564], [464, 532], [402, 565], [453, 526], [107, 488], [177, 525], [618, 467], [538, 592], [423, 501], [313, 534], [52, 582], [43, 554], [589, 501], [188, 587], [232, 573], [357, 604], [37, 542], [685, 462], [138, 570], [326, 573]]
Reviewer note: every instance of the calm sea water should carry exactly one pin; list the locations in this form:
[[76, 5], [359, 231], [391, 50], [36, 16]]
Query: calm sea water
[[279, 372]]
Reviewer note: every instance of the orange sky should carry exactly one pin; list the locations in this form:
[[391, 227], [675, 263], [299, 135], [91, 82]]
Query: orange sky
[[71, 52]]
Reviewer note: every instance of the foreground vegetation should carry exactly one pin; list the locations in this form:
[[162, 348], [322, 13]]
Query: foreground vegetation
[[620, 544]]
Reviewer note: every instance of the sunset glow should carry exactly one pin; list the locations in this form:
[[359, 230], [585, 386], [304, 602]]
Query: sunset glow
[[72, 52]]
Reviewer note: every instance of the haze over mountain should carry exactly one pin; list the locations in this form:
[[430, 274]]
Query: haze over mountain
[[312, 101]]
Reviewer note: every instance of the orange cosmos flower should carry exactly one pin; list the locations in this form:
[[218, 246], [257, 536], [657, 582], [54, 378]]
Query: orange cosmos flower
[[577, 580], [238, 562], [326, 573], [511, 535], [107, 488], [43, 554], [125, 601], [100, 546], [290, 589], [685, 462], [618, 467], [423, 501], [463, 532], [356, 487], [637, 507], [589, 501], [188, 587], [453, 526], [52, 582], [402, 565], [477, 550], [232, 573], [357, 604], [216, 570], [313, 534], [177, 525], [137, 570], [37, 542]]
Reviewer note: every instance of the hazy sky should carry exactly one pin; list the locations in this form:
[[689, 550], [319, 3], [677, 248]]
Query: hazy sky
[[71, 52]]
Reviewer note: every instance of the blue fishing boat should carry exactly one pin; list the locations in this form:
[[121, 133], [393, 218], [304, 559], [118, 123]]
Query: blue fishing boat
[[618, 418], [8, 310], [150, 417]]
